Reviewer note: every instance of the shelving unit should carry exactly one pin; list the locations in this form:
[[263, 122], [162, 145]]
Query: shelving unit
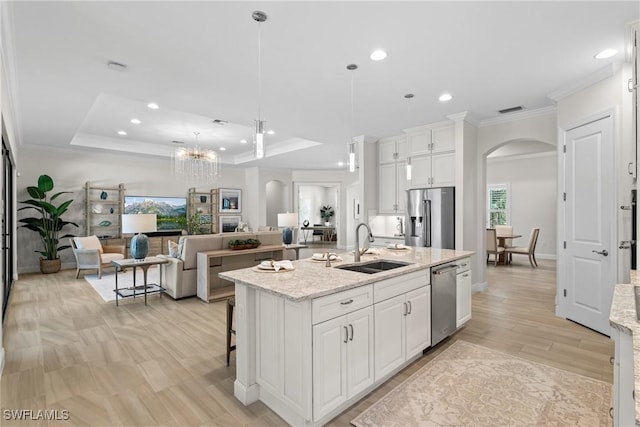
[[104, 207], [206, 204]]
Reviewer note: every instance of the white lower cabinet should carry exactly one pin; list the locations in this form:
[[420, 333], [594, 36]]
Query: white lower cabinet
[[624, 409], [342, 359], [402, 329], [463, 292]]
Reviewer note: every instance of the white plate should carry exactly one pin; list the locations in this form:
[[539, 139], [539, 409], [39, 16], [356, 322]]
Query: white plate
[[323, 258], [399, 247]]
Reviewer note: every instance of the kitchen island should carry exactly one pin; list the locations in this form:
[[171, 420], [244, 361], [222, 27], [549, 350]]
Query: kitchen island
[[312, 341], [626, 370]]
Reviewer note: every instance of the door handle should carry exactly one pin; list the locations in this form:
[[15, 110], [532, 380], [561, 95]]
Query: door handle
[[603, 252]]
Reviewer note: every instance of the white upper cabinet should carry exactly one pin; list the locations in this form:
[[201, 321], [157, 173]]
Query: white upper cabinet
[[387, 151], [442, 139], [419, 142], [392, 174]]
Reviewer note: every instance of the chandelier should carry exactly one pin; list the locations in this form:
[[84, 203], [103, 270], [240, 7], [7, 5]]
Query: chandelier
[[198, 164]]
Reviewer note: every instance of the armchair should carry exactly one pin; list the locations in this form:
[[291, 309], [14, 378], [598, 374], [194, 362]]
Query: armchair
[[90, 254]]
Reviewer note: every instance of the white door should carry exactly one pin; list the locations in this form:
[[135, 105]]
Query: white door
[[359, 351], [418, 320], [329, 366], [389, 335], [588, 274]]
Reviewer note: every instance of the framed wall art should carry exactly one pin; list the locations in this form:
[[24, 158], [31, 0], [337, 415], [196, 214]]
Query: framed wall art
[[229, 223], [230, 200]]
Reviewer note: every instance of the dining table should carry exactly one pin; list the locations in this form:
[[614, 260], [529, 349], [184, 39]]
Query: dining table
[[502, 238]]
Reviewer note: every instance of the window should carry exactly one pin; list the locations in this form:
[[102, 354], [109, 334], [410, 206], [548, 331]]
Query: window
[[498, 205]]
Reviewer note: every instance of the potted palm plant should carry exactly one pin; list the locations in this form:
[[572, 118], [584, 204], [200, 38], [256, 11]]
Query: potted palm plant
[[48, 223], [326, 213]]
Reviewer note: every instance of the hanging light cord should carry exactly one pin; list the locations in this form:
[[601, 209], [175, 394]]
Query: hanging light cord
[[259, 71]]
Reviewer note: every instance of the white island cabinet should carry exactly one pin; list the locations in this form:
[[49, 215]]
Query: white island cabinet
[[309, 341]]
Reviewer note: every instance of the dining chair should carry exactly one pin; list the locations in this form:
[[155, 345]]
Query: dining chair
[[505, 230], [529, 250], [492, 245]]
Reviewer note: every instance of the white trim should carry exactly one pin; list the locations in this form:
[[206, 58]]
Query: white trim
[[428, 127], [479, 287], [630, 29], [512, 157], [520, 115], [604, 73]]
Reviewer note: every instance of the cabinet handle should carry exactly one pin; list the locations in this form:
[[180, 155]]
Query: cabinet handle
[[351, 327], [346, 334], [612, 360], [405, 309], [611, 412], [409, 302], [346, 302], [465, 275]]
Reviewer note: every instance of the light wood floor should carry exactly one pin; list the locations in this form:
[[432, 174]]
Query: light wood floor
[[164, 364]]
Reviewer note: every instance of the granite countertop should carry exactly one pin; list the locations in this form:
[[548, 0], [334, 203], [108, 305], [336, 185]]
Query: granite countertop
[[378, 236], [623, 318], [311, 279]]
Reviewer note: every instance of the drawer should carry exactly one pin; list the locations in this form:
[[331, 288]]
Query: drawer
[[334, 305], [390, 288], [464, 264]]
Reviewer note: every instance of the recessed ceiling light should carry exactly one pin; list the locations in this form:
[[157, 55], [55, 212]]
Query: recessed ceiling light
[[135, 121], [243, 141], [378, 55], [153, 105], [223, 149], [607, 53], [445, 97], [271, 132], [341, 164], [121, 132]]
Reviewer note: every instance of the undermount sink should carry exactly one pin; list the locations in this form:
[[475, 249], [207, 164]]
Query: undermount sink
[[373, 267]]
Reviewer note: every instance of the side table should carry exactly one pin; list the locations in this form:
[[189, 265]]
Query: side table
[[144, 264]]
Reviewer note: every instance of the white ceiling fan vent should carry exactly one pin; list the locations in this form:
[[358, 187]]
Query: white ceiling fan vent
[[177, 142], [219, 122], [511, 109]]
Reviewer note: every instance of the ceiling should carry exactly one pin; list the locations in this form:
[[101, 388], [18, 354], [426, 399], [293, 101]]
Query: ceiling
[[199, 62]]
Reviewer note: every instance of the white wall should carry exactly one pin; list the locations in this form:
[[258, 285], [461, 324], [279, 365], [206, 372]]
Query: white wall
[[610, 94], [254, 210], [70, 169], [276, 201], [532, 181]]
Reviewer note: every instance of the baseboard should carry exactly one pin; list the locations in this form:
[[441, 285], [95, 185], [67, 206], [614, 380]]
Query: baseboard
[[547, 256], [479, 287]]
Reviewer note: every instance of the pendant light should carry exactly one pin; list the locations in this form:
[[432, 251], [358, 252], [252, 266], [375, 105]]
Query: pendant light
[[352, 143], [259, 17], [408, 97]]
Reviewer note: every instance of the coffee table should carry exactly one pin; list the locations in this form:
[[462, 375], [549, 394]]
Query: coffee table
[[137, 290]]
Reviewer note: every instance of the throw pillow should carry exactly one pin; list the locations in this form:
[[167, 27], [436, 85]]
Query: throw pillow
[[174, 249]]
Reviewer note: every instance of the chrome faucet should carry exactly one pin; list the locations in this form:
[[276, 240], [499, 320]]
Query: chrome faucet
[[357, 253]]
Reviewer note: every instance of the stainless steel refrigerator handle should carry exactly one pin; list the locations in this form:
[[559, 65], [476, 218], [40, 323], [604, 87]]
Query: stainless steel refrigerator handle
[[445, 270], [426, 229]]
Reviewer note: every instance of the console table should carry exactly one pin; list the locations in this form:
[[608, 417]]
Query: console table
[[144, 264], [327, 232], [210, 263]]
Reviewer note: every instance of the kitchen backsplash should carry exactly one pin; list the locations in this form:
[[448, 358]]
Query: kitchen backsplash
[[386, 225]]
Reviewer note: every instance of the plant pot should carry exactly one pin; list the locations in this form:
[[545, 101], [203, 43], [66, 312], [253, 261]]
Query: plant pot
[[48, 266]]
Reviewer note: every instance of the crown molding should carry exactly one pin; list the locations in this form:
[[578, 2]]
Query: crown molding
[[604, 73], [521, 115]]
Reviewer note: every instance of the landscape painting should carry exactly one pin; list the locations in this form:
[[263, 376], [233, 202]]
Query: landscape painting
[[170, 211]]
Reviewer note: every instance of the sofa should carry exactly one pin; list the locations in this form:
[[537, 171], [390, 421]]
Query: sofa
[[179, 275]]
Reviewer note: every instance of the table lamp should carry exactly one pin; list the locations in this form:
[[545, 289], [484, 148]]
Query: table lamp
[[139, 223], [288, 221]]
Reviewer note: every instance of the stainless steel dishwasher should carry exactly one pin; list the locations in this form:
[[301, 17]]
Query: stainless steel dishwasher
[[443, 302]]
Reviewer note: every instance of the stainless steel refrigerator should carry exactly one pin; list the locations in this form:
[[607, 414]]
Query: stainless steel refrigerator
[[430, 218]]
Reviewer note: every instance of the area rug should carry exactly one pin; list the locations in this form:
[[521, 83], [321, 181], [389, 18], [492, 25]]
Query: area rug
[[105, 286], [470, 385]]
